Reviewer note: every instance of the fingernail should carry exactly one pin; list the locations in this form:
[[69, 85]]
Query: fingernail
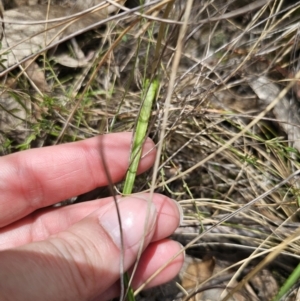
[[181, 216], [134, 212]]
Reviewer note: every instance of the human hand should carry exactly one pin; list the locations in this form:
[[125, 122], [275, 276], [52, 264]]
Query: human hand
[[73, 252]]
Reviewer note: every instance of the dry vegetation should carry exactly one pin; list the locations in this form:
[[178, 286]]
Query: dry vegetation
[[232, 124]]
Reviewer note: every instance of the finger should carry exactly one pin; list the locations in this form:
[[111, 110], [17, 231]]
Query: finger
[[152, 260], [43, 223], [82, 262], [40, 177]]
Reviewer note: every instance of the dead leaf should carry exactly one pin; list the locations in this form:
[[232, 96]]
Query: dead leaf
[[197, 272], [285, 111], [15, 113], [265, 284], [21, 41], [65, 60], [37, 75]]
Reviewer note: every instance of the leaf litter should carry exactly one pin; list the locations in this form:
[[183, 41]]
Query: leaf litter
[[231, 70]]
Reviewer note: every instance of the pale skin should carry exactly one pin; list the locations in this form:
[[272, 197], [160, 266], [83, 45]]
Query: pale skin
[[73, 252]]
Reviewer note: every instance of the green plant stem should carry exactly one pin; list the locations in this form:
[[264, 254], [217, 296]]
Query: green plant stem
[[139, 136], [292, 279], [138, 140]]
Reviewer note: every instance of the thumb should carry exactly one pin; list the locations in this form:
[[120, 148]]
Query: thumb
[[82, 262]]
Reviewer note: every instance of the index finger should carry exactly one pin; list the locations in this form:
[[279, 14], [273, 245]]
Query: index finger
[[40, 177]]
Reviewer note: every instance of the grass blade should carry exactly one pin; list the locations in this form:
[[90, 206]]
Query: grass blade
[[293, 278], [150, 89]]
